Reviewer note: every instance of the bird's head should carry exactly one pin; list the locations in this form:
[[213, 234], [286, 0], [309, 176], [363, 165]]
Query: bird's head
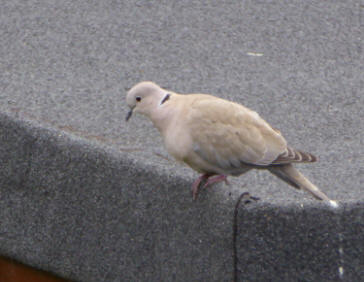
[[143, 98]]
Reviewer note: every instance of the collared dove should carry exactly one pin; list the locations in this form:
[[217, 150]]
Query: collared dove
[[217, 137]]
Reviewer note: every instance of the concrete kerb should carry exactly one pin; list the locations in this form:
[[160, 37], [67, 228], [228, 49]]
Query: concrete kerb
[[89, 212]]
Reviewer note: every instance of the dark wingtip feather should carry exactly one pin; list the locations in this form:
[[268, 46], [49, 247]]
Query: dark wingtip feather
[[294, 156]]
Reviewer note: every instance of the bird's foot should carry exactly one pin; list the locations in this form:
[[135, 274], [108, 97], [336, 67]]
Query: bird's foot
[[196, 184], [216, 179], [209, 181]]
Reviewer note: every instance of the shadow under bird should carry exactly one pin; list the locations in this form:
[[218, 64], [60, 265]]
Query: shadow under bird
[[218, 138]]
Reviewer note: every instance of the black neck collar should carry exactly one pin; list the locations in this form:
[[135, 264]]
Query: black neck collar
[[166, 98]]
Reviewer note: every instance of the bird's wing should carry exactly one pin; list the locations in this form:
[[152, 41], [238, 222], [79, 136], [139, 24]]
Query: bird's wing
[[228, 135]]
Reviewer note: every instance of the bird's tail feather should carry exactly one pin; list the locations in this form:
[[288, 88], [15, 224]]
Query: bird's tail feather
[[293, 177]]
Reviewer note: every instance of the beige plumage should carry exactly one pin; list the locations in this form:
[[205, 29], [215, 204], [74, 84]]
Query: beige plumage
[[217, 137]]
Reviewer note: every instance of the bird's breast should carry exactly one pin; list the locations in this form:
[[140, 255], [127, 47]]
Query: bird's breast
[[178, 143]]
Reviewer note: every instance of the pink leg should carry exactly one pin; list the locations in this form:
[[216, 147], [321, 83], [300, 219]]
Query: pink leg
[[210, 180], [216, 179], [197, 183]]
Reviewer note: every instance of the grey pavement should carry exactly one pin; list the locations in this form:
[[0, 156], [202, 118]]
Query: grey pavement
[[90, 197]]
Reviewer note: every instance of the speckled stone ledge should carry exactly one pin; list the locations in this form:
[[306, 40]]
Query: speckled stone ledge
[[90, 213]]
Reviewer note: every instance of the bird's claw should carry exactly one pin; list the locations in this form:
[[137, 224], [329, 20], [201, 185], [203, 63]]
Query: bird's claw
[[209, 181]]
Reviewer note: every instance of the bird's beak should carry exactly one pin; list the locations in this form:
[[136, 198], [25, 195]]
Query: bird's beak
[[128, 116]]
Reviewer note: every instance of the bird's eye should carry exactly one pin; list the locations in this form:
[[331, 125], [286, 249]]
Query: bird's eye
[[138, 99]]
